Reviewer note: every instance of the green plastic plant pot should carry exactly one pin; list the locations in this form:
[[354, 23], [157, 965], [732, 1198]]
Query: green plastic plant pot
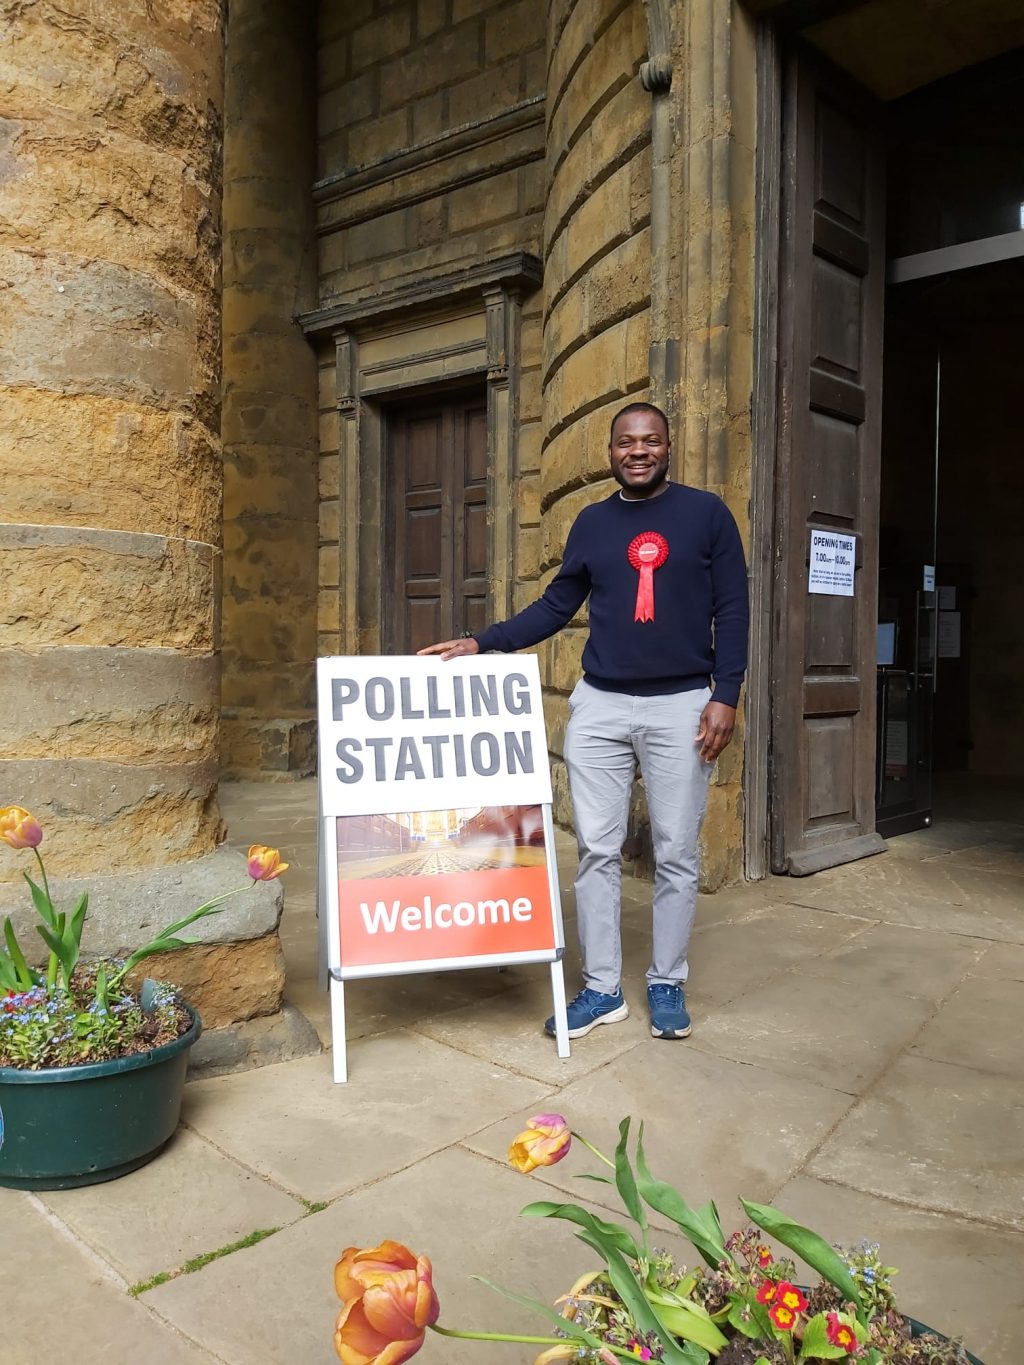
[[79, 1125]]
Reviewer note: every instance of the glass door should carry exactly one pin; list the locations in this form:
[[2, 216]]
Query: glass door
[[907, 615]]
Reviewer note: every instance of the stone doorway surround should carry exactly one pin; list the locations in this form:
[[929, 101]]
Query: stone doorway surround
[[418, 338]]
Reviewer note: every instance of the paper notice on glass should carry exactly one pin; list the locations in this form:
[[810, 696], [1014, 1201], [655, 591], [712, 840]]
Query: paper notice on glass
[[897, 740], [831, 564], [949, 635], [947, 599]]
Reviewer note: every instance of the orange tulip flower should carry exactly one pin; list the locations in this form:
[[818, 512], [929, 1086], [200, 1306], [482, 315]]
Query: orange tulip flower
[[389, 1302], [19, 829], [265, 863], [546, 1140]]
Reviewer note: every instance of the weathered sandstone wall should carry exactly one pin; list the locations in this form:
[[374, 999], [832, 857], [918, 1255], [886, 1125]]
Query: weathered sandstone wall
[[269, 424]]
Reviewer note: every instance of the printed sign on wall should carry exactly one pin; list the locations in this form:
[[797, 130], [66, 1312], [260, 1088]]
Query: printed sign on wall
[[832, 561]]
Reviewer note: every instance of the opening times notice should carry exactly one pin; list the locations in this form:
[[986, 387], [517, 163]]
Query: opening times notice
[[831, 564]]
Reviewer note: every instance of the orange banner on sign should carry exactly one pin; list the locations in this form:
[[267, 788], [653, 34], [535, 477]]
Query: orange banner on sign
[[445, 915]]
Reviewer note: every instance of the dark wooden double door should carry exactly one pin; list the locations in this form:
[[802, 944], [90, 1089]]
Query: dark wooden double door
[[434, 580]]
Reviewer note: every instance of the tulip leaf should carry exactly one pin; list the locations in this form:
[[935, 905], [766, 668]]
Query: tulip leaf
[[42, 902], [213, 907], [52, 941], [642, 1311], [74, 929], [24, 976], [693, 1323], [598, 1179], [701, 1226], [811, 1248], [8, 973], [567, 1325], [158, 945], [101, 992], [71, 936], [625, 1181], [607, 1234]]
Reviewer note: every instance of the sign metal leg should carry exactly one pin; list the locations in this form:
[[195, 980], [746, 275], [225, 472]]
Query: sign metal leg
[[323, 904], [338, 1031], [558, 998]]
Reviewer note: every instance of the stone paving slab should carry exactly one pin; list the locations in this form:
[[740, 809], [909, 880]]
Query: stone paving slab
[[61, 1304], [508, 1030], [384, 1004], [1003, 856], [927, 895], [406, 1097], [940, 1136], [274, 1304], [717, 1128], [727, 960], [812, 1028], [962, 1033], [916, 962], [956, 1276], [1001, 962], [192, 1200]]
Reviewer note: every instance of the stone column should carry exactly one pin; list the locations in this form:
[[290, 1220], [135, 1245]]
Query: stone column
[[110, 461], [712, 215], [270, 391]]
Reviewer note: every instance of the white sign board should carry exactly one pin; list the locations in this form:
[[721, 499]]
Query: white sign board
[[410, 733], [437, 845], [832, 561]]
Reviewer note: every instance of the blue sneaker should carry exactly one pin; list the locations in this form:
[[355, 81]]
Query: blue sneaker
[[589, 1009], [669, 1018]]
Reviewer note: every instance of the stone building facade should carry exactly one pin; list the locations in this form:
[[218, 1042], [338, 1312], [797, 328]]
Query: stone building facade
[[525, 135], [266, 266]]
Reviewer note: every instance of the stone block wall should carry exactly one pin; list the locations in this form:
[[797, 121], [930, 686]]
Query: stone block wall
[[430, 138], [431, 147], [597, 286], [269, 419], [454, 130]]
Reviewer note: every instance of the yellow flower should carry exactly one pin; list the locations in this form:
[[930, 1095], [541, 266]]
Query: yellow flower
[[265, 863], [19, 829], [545, 1141]]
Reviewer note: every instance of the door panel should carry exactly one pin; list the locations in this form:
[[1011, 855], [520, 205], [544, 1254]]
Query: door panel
[[830, 343], [434, 582], [471, 560]]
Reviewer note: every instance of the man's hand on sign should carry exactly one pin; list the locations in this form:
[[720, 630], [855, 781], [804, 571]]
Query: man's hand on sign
[[453, 649], [717, 722]]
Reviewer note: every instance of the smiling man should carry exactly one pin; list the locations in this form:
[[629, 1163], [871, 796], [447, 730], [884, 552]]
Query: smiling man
[[663, 567]]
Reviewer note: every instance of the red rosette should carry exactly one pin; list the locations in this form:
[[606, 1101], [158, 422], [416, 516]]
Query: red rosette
[[647, 552]]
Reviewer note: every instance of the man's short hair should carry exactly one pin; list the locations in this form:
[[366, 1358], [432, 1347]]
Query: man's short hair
[[638, 407]]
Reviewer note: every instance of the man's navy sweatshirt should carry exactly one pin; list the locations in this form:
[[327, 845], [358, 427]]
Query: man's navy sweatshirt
[[699, 630]]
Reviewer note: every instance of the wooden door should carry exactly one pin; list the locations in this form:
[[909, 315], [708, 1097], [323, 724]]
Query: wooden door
[[435, 581], [830, 394]]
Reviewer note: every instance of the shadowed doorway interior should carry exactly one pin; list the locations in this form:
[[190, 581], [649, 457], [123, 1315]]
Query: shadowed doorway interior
[[951, 587]]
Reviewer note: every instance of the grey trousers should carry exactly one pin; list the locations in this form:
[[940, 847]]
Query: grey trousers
[[608, 733]]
